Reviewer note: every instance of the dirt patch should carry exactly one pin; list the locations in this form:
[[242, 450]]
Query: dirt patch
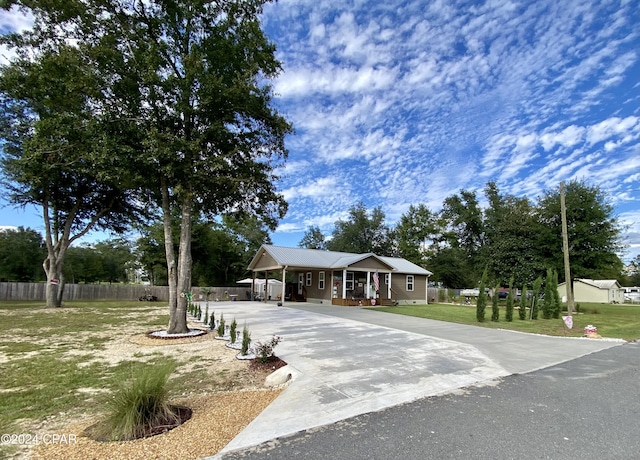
[[227, 395]]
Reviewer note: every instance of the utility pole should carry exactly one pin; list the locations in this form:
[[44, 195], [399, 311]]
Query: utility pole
[[565, 249]]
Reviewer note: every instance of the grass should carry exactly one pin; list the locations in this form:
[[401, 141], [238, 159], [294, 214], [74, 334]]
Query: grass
[[612, 321], [49, 365]]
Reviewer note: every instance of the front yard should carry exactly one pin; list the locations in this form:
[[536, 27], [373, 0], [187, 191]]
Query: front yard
[[59, 365], [612, 321]]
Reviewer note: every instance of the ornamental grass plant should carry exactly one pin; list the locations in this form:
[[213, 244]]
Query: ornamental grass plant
[[139, 405]]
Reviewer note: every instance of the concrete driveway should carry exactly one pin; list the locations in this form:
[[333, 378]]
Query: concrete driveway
[[349, 361]]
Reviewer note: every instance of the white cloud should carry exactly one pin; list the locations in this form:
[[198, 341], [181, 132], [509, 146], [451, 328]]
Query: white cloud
[[612, 127]]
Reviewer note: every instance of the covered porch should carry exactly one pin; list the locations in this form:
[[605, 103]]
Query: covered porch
[[325, 277]]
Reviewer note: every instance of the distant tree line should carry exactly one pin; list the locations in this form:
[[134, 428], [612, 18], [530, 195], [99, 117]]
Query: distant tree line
[[510, 236], [221, 253]]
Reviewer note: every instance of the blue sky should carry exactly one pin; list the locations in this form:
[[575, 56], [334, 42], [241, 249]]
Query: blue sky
[[405, 102]]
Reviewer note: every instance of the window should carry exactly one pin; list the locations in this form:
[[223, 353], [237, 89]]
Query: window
[[308, 278], [386, 278], [409, 282], [321, 280], [349, 283]]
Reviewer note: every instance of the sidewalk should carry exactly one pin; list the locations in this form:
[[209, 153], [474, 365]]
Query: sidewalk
[[351, 361]]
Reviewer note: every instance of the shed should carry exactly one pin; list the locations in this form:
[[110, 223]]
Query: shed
[[594, 291]]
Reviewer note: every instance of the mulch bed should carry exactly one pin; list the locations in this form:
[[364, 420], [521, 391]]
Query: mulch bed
[[271, 364]]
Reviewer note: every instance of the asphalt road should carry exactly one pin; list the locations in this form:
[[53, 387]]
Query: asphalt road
[[585, 408]]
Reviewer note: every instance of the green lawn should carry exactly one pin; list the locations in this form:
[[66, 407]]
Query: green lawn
[[52, 360], [613, 321]]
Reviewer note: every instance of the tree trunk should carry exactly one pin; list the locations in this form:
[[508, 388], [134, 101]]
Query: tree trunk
[[53, 273], [184, 268], [172, 278]]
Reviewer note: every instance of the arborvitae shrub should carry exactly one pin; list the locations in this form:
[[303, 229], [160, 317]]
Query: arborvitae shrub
[[221, 326], [232, 330], [509, 306], [522, 312], [495, 311], [481, 305], [246, 340]]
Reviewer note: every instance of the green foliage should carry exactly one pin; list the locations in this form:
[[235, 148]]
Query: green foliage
[[547, 302], [64, 149], [593, 232], [511, 236], [21, 255], [221, 326], [313, 238], [416, 234], [212, 321], [246, 340], [509, 302], [139, 404], [495, 310], [232, 330], [362, 232], [481, 304], [522, 306], [205, 318], [449, 267]]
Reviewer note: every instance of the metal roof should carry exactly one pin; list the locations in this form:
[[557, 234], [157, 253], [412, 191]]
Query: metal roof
[[316, 258], [601, 284]]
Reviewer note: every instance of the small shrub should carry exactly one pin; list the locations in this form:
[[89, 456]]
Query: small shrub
[[509, 303], [220, 329], [246, 340], [522, 312], [206, 315], [495, 310], [212, 321], [577, 308], [232, 330], [139, 405], [547, 302], [481, 304], [264, 350]]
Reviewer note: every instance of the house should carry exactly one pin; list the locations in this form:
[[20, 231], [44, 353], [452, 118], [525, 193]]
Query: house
[[595, 291], [342, 278]]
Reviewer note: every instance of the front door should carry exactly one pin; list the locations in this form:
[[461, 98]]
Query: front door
[[300, 283]]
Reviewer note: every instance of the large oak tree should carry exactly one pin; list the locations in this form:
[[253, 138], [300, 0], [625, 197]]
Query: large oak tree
[[191, 79], [63, 149]]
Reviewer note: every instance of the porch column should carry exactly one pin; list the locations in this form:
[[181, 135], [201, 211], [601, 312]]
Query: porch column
[[368, 284], [253, 287], [266, 286], [389, 287], [426, 290], [284, 284], [344, 283]]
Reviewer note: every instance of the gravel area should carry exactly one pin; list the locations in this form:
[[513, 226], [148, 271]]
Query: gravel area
[[230, 397], [216, 420]]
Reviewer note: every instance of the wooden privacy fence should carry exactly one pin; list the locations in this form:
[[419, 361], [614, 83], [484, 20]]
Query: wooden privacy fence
[[36, 291]]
